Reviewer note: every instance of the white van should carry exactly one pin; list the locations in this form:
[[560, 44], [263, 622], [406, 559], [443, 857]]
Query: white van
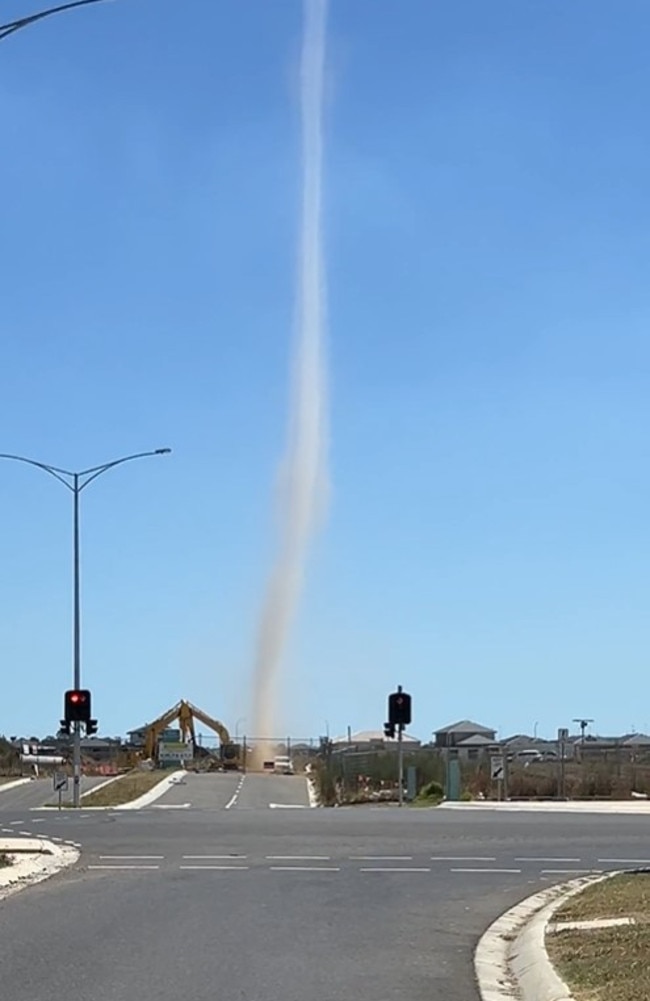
[[282, 765]]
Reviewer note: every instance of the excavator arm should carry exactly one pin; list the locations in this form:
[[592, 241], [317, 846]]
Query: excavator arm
[[154, 729]]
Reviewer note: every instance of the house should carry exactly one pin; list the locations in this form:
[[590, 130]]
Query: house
[[373, 740], [457, 733]]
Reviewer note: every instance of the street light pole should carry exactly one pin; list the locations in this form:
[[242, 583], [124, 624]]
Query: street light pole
[[76, 482], [24, 22]]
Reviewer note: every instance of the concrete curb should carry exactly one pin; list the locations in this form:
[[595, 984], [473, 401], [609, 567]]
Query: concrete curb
[[153, 794], [13, 785], [622, 806], [511, 959], [25, 872]]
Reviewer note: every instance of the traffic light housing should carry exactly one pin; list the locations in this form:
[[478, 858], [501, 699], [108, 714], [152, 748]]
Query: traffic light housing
[[77, 706], [399, 708], [91, 727], [389, 730]]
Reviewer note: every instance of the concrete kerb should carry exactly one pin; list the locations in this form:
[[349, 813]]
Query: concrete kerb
[[25, 870], [153, 794], [511, 960], [4, 786]]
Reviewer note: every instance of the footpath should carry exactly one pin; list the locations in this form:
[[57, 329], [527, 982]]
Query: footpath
[[587, 940]]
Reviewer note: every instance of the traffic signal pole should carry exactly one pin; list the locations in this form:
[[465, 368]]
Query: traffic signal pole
[[76, 630], [400, 764]]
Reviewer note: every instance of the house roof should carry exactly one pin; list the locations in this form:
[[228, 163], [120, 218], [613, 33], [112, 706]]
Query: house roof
[[466, 726], [637, 740], [476, 740], [372, 737]]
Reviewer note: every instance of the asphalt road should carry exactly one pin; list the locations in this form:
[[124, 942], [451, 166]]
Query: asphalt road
[[38, 792], [254, 903]]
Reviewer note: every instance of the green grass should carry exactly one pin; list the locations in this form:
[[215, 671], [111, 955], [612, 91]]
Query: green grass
[[125, 789], [606, 964]]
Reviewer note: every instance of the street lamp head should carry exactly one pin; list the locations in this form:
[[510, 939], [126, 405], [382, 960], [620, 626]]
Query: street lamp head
[[162, 451]]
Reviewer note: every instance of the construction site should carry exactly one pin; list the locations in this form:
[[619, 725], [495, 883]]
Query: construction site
[[183, 736]]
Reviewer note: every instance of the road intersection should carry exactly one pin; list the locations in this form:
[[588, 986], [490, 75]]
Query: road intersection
[[214, 898]]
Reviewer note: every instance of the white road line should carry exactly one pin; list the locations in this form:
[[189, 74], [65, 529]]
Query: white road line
[[40, 820], [124, 858], [486, 870], [130, 867], [56, 839], [215, 868], [626, 861], [548, 860], [386, 868], [298, 858], [14, 823], [380, 858], [233, 799], [215, 857], [287, 806], [462, 858], [304, 868], [27, 834], [566, 872]]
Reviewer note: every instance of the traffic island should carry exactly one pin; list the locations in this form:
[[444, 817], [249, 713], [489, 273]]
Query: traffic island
[[125, 789], [599, 942], [25, 861]]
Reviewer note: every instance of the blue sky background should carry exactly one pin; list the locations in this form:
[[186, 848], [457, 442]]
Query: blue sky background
[[488, 233]]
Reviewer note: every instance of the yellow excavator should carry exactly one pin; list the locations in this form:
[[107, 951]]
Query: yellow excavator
[[185, 713]]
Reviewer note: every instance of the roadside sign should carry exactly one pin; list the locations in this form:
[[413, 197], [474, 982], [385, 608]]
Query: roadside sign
[[497, 767], [60, 782], [563, 734]]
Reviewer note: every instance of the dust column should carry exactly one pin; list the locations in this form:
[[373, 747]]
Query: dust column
[[303, 474]]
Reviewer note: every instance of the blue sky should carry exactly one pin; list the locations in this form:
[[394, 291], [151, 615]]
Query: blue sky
[[487, 239]]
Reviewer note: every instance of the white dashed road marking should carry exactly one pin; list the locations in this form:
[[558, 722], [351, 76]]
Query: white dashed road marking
[[626, 861], [132, 858], [215, 868], [231, 802], [462, 858], [214, 857], [487, 870], [381, 858], [304, 868], [298, 858], [386, 868], [559, 860], [122, 867]]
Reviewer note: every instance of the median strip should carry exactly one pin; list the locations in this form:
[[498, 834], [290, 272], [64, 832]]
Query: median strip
[[132, 791]]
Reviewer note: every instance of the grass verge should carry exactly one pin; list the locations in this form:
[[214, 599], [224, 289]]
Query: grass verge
[[5, 860], [608, 964], [125, 789]]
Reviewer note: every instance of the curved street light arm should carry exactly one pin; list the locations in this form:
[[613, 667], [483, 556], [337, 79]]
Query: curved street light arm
[[96, 471], [24, 22], [54, 471]]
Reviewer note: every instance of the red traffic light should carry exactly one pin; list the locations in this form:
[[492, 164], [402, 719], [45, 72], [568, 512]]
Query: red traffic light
[[77, 705]]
